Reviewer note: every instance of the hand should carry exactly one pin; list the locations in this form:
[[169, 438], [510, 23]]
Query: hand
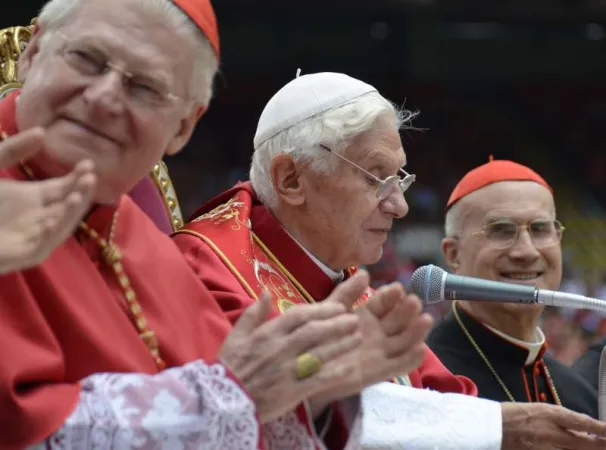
[[262, 354], [393, 330], [549, 427], [36, 216]]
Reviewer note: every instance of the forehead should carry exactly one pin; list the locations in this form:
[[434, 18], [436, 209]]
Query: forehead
[[131, 34], [519, 201], [381, 145]]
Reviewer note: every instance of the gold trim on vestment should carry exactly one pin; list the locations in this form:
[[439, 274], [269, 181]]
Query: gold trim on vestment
[[224, 258], [283, 269]]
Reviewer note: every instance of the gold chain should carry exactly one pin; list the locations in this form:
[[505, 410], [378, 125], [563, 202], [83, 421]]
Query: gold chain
[[112, 257], [492, 369]]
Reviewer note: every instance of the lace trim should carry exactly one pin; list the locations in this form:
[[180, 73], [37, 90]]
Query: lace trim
[[190, 407]]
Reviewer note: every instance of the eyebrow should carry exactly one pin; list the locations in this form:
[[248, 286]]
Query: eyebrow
[[144, 70], [379, 159]]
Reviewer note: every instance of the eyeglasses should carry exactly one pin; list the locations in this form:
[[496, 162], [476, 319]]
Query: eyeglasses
[[386, 187], [89, 61], [505, 233]]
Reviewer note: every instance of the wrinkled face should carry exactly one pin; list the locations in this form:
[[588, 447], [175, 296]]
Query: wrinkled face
[[101, 117], [345, 218], [476, 255]]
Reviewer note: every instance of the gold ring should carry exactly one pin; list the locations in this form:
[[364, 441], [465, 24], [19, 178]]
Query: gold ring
[[307, 365]]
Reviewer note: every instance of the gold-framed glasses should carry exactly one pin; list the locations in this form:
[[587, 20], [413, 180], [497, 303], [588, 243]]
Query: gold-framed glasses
[[504, 233], [385, 187], [89, 61]]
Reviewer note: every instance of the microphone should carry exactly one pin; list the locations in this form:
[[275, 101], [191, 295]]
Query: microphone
[[602, 387], [433, 285]]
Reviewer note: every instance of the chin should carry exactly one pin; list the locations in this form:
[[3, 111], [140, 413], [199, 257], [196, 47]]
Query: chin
[[371, 257]]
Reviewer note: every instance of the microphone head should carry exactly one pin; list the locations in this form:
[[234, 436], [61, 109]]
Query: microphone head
[[426, 283]]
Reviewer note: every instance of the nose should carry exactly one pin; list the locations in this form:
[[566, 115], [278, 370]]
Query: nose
[[524, 249], [105, 94], [395, 204]]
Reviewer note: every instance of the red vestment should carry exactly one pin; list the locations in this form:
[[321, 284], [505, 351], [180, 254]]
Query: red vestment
[[222, 250], [66, 320]]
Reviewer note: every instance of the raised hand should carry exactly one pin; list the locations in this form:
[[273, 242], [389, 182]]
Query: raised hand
[[393, 330], [263, 354], [37, 216]]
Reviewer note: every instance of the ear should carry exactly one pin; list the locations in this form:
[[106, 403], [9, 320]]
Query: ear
[[29, 54], [285, 177], [186, 129], [450, 250]]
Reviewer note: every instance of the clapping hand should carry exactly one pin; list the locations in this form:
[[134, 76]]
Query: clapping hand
[[37, 216]]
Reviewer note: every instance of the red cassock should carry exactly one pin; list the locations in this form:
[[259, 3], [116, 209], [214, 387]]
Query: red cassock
[[237, 248], [67, 319]]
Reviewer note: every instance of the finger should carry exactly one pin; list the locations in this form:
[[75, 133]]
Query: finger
[[400, 317], [81, 178], [579, 422], [330, 351], [254, 316], [385, 299], [569, 440], [336, 366], [316, 332], [21, 146], [416, 333], [300, 315], [350, 290], [63, 217]]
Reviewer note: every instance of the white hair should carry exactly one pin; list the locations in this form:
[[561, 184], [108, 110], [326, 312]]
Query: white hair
[[453, 222], [335, 128], [57, 13]]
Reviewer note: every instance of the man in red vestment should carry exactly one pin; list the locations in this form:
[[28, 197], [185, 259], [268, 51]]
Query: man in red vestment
[[326, 185], [89, 332], [36, 217]]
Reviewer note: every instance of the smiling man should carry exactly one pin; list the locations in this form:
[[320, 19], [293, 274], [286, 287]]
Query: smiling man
[[501, 225]]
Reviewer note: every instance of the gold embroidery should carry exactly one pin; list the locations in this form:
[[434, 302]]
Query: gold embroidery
[[225, 260], [283, 269], [284, 305], [224, 212]]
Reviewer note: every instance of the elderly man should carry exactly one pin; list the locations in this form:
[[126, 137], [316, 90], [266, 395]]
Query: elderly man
[[326, 184], [501, 225], [36, 217], [91, 330]]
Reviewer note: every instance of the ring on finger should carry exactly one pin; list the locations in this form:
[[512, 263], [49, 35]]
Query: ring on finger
[[307, 365]]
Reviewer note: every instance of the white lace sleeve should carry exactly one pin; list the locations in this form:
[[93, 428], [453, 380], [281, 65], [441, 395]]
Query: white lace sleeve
[[401, 417], [196, 406]]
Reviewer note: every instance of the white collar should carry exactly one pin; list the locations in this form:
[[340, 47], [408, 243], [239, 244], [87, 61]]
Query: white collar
[[335, 276], [533, 347]]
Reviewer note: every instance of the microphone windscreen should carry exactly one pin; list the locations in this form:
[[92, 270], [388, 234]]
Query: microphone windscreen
[[426, 283]]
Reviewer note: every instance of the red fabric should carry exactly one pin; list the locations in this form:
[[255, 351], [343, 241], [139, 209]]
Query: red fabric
[[233, 297], [202, 14], [67, 318], [493, 171]]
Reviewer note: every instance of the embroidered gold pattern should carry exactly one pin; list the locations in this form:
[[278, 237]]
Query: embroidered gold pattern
[[224, 212]]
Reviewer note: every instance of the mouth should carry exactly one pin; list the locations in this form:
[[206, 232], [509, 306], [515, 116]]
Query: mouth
[[521, 277], [91, 130]]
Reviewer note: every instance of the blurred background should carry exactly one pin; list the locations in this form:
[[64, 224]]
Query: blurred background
[[517, 79]]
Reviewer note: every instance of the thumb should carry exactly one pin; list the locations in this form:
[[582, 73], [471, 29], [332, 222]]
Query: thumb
[[350, 290], [255, 315], [20, 147]]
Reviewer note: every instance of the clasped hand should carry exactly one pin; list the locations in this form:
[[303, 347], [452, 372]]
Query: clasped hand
[[382, 339]]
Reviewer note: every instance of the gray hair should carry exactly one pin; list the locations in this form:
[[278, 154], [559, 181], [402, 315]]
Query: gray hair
[[335, 128], [57, 13], [453, 222]]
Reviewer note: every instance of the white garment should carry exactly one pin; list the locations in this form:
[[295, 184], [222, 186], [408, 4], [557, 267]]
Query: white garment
[[400, 417]]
